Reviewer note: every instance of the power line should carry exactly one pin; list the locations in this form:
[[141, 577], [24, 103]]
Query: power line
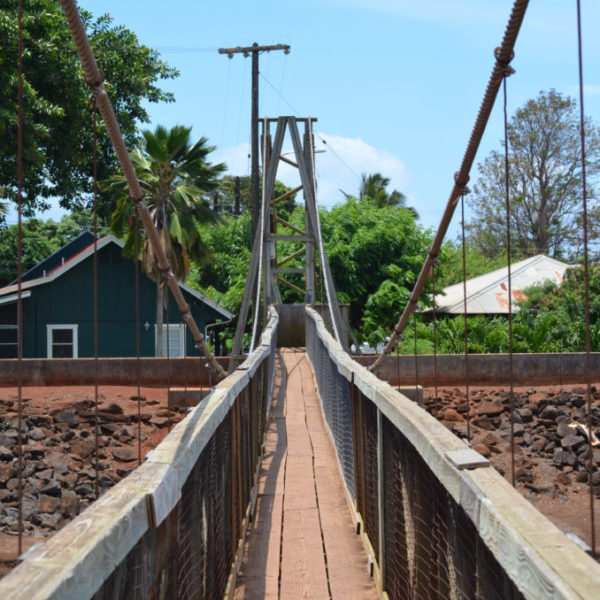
[[184, 49], [296, 113]]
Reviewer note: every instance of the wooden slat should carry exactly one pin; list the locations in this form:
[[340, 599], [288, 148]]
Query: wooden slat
[[302, 543]]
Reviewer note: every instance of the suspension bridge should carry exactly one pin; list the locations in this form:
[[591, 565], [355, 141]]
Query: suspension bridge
[[305, 474]]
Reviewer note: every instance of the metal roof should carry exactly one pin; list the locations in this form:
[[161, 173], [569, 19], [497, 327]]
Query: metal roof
[[488, 294], [61, 269]]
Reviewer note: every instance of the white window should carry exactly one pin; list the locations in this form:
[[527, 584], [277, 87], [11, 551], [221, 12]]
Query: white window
[[176, 337], [62, 341]]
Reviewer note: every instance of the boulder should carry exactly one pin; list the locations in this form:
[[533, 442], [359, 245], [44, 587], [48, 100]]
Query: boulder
[[125, 453], [111, 407], [52, 488], [37, 434], [69, 505], [47, 504], [67, 416], [562, 457]]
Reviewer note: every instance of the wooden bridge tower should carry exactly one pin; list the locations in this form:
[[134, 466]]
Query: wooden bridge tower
[[268, 269]]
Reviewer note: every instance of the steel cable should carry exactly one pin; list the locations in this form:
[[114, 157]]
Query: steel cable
[[95, 211], [20, 275], [464, 274], [504, 55], [94, 78], [137, 337], [588, 343], [509, 291]]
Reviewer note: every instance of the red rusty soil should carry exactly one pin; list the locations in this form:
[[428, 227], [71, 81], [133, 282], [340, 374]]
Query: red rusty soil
[[553, 490], [154, 426]]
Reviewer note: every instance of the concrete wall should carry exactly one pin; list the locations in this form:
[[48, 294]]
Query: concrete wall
[[181, 372], [291, 333], [487, 369]]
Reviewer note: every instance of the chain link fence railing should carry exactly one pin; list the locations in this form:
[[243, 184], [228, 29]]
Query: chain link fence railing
[[438, 521], [174, 527]]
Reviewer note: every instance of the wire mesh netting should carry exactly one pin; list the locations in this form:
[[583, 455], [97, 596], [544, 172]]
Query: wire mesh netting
[[430, 548], [190, 554]]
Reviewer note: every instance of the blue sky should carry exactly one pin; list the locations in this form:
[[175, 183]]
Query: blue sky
[[395, 84]]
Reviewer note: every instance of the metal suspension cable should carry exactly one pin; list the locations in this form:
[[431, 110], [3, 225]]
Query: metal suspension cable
[[95, 210], [504, 54], [20, 276], [466, 323], [435, 338], [169, 422], [94, 78], [329, 287], [416, 356], [137, 338], [509, 268], [586, 261], [263, 216]]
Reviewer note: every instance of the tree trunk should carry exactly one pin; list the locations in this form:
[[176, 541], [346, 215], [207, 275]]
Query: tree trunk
[[159, 319]]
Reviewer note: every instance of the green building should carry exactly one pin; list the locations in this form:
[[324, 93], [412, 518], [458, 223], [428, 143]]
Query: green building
[[58, 307]]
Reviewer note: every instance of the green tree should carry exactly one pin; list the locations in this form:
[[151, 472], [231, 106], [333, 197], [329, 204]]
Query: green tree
[[373, 190], [58, 133], [545, 181], [175, 176], [40, 239], [375, 256]]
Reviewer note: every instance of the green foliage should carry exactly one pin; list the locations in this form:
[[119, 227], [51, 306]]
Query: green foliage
[[373, 190], [58, 137], [40, 239], [226, 193], [175, 176], [552, 319], [545, 182], [375, 256], [224, 278]]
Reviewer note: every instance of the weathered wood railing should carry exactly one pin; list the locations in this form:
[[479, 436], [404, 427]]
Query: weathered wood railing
[[173, 528], [437, 520]]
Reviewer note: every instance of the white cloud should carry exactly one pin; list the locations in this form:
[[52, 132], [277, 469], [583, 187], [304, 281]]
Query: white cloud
[[591, 90], [340, 162]]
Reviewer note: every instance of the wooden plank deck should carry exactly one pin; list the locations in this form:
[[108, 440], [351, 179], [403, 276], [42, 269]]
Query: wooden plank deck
[[302, 542]]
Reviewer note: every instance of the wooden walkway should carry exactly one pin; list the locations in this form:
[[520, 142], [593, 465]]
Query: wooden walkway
[[302, 542]]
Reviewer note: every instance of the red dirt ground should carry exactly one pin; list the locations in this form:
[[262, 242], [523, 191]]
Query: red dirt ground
[[156, 419], [555, 493]]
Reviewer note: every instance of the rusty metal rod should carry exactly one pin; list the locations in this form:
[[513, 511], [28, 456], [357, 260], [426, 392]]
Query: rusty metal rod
[[586, 264], [20, 77], [94, 78], [504, 54]]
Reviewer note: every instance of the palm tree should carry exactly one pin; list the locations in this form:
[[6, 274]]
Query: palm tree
[[373, 190], [175, 176]]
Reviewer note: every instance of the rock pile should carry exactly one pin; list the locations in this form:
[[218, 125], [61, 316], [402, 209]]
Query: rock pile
[[549, 426], [59, 456]]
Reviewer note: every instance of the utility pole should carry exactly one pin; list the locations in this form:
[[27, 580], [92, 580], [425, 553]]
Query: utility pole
[[254, 50]]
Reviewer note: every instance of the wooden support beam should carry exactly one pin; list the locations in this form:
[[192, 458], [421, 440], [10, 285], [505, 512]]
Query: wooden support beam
[[286, 195], [288, 161], [287, 259], [289, 238], [290, 226], [299, 119], [291, 285], [288, 270]]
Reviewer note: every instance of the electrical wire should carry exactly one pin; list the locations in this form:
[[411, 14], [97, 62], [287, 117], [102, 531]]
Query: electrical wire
[[297, 114]]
